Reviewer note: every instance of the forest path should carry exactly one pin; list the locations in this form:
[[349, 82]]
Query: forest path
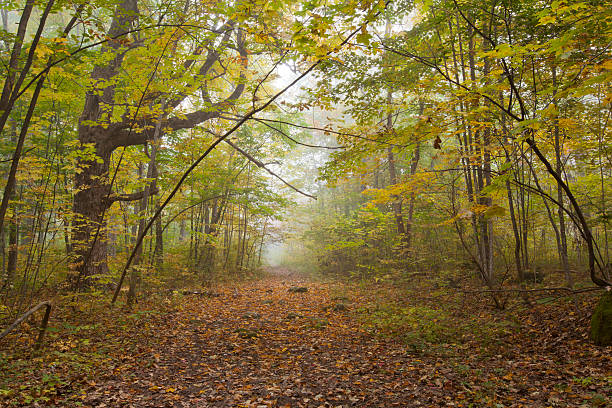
[[260, 345]]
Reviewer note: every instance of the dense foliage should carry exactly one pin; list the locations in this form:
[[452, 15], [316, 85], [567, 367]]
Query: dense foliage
[[157, 149], [489, 143]]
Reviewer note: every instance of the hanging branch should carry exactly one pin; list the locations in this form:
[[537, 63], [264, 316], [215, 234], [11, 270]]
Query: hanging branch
[[211, 148], [335, 132], [530, 140], [285, 135], [263, 166]]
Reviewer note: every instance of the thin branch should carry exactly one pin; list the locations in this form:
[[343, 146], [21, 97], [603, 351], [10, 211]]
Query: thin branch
[[212, 147], [262, 166], [133, 196], [559, 288], [329, 131], [284, 134]]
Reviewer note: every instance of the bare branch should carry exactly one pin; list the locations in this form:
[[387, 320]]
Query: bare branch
[[121, 135], [134, 196], [263, 166], [212, 147]]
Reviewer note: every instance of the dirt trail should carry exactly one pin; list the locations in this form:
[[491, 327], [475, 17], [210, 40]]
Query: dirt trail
[[268, 344], [262, 345]]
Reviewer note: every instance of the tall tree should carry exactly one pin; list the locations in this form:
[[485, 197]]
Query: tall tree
[[99, 127]]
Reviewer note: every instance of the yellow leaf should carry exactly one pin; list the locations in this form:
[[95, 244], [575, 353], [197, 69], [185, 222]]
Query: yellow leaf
[[547, 20]]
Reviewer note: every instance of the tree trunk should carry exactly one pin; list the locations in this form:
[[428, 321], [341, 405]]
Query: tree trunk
[[562, 234], [413, 168], [397, 203], [13, 249], [159, 240], [99, 131], [140, 211], [89, 226], [91, 199]]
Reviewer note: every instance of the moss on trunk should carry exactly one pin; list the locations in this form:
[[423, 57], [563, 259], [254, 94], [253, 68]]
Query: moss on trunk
[[601, 322]]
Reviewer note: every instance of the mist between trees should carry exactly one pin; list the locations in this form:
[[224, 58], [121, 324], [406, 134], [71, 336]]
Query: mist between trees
[[150, 147]]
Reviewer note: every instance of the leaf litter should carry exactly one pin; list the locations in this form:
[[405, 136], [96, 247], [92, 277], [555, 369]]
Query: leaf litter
[[261, 344]]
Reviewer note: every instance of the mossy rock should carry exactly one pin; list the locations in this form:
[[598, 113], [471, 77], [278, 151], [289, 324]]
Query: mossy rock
[[298, 289], [247, 333], [318, 324], [601, 322], [338, 307]]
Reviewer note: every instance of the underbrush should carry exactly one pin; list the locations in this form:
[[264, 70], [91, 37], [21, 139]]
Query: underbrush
[[433, 313], [425, 327], [489, 351], [83, 342]]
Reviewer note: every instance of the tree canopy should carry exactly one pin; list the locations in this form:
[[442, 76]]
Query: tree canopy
[[149, 147]]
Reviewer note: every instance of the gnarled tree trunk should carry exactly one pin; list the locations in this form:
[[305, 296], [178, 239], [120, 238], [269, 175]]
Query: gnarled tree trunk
[[97, 131]]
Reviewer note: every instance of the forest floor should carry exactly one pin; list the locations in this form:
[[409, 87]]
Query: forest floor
[[264, 343]]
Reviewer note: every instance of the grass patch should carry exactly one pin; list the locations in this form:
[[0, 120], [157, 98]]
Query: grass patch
[[422, 326]]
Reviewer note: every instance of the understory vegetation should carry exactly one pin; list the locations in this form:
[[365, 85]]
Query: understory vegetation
[[239, 199]]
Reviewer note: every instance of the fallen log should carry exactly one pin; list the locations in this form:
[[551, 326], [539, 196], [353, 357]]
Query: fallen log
[[43, 325]]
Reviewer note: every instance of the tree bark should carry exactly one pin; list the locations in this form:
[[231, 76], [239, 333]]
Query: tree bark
[[413, 168], [13, 249], [397, 203], [562, 233], [94, 190]]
